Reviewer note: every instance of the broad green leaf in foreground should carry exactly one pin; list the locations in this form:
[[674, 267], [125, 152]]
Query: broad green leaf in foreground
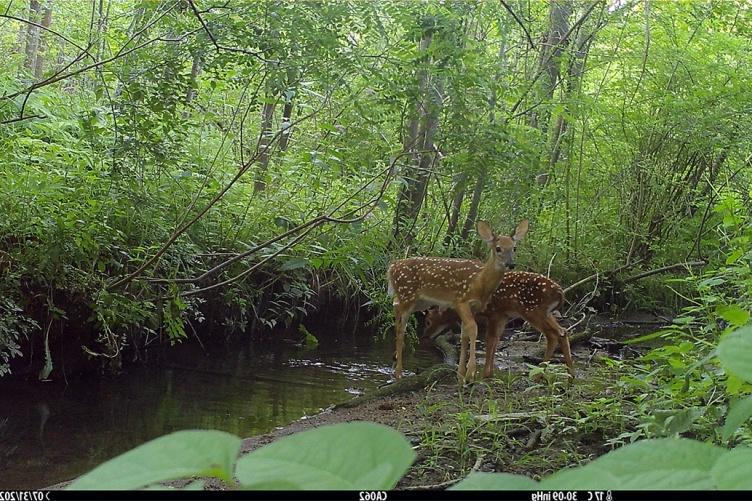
[[495, 482], [181, 454], [733, 314], [359, 455], [739, 412], [669, 463], [735, 353], [733, 471]]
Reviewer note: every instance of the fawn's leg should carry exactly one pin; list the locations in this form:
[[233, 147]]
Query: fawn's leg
[[562, 338], [469, 336], [496, 325], [401, 315]]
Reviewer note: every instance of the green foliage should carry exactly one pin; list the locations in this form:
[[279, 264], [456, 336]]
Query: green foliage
[[669, 463], [346, 456], [13, 325], [110, 160], [309, 340], [676, 464], [177, 455], [350, 456]]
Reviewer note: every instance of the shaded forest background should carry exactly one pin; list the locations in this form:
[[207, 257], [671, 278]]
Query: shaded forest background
[[183, 165]]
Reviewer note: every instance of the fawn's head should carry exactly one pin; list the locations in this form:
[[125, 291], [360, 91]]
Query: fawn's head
[[502, 246], [437, 320]]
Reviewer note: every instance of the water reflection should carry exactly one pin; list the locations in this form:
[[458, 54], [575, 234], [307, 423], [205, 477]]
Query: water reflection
[[50, 432]]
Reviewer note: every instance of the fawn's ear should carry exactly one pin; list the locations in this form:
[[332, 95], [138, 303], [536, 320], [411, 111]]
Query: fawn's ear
[[521, 230], [485, 232]]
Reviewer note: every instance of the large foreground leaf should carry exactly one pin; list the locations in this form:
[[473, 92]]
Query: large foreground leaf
[[733, 471], [669, 463], [358, 456], [739, 412], [735, 353], [208, 453]]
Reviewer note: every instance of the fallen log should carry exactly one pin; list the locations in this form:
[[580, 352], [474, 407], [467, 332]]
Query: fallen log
[[409, 383]]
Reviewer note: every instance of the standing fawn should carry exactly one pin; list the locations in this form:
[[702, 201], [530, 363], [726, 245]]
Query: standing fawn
[[530, 296], [464, 285]]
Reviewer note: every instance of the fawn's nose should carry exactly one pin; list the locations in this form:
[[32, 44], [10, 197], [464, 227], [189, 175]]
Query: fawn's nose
[[511, 266]]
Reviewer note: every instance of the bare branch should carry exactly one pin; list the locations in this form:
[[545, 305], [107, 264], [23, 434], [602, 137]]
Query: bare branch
[[519, 21], [217, 45], [49, 30], [19, 119]]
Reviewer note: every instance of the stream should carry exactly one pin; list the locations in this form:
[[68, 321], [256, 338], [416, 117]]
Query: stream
[[52, 432]]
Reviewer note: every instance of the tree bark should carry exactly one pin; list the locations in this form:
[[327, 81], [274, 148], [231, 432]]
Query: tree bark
[[472, 213], [32, 36], [460, 186], [195, 71], [42, 45], [267, 118], [418, 139], [550, 56], [284, 137], [574, 77]]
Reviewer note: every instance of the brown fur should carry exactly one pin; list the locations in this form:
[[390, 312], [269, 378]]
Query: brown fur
[[464, 285], [530, 296]]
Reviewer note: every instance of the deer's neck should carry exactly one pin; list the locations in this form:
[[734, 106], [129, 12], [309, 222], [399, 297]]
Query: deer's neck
[[491, 276]]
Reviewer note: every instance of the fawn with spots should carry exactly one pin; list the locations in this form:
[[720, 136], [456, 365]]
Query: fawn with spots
[[465, 286], [530, 296]]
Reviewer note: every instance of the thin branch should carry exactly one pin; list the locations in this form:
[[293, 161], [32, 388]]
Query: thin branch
[[307, 226], [243, 169], [519, 21], [56, 78], [664, 269], [596, 274], [541, 70], [49, 30], [217, 45], [19, 119]]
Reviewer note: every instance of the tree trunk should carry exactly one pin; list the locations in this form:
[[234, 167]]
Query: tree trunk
[[472, 213], [42, 44], [264, 148], [32, 36], [574, 77], [428, 153], [460, 186], [190, 94], [550, 56], [286, 130], [418, 137]]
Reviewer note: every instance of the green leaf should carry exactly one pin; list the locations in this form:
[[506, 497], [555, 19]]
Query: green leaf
[[357, 456], [735, 353], [206, 453], [495, 482], [733, 314], [668, 463], [675, 421], [738, 413], [732, 470], [294, 264]]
